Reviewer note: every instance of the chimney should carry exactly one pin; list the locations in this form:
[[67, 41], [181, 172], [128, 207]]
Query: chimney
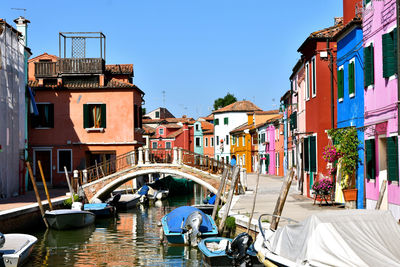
[[186, 137], [350, 8], [22, 27]]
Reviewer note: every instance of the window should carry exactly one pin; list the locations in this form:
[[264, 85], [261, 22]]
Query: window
[[392, 158], [306, 154], [227, 159], [293, 120], [161, 131], [217, 140], [157, 114], [237, 140], [313, 153], [369, 65], [94, 116], [216, 122], [389, 52], [197, 127], [212, 141], [198, 142], [154, 145], [313, 77], [244, 160], [370, 158], [225, 121], [206, 142], [262, 138], [352, 84], [168, 145], [340, 84], [307, 81], [244, 140], [138, 116], [259, 138], [233, 140], [45, 119], [227, 139], [64, 158], [277, 159]]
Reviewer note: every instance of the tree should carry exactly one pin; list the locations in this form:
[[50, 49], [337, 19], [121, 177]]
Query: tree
[[222, 102]]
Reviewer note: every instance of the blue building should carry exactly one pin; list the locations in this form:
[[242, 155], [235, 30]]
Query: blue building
[[350, 92], [198, 138]]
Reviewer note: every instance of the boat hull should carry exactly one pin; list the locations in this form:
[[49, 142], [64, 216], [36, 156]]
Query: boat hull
[[13, 254], [128, 201], [103, 212], [69, 219]]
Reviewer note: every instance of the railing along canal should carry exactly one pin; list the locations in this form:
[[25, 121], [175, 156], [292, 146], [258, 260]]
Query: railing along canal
[[151, 156]]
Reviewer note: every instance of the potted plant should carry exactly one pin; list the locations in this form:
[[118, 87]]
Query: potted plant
[[347, 145], [323, 187]]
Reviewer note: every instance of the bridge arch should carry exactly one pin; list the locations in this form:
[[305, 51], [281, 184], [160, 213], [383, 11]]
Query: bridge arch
[[104, 192]]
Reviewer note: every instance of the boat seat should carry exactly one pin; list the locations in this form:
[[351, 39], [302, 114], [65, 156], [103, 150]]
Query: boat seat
[[13, 246]]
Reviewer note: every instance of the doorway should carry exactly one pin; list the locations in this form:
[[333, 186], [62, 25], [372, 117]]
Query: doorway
[[44, 156]]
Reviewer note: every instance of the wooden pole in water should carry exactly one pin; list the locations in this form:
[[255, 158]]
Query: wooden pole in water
[[44, 185], [229, 199], [255, 196], [281, 200], [69, 184], [219, 192], [36, 192], [381, 194]]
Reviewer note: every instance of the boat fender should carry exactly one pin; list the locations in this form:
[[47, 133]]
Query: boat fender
[[161, 234], [76, 206], [2, 240]]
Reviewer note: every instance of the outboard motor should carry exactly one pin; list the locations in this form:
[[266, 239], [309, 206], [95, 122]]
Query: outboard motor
[[192, 228], [237, 250], [2, 240]]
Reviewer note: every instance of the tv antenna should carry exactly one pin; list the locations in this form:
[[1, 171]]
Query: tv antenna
[[18, 8], [163, 97]]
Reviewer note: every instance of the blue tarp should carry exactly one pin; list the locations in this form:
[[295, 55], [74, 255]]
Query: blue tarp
[[175, 218], [97, 206], [144, 190], [212, 200], [33, 103]]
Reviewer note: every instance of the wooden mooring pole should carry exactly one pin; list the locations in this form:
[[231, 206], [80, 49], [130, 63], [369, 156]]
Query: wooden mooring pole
[[220, 192], [381, 194], [36, 192], [280, 203], [229, 198], [71, 190], [45, 185], [255, 196]]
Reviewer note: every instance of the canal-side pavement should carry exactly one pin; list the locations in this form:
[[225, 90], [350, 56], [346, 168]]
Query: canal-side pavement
[[297, 207]]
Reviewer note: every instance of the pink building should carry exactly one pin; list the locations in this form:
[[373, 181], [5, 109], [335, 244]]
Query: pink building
[[380, 110]]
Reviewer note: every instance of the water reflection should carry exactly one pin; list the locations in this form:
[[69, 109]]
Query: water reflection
[[131, 239]]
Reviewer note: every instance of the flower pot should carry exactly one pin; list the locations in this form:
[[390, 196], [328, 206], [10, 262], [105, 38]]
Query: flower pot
[[350, 194]]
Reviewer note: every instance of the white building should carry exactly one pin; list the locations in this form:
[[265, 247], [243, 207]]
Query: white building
[[225, 120], [12, 106]]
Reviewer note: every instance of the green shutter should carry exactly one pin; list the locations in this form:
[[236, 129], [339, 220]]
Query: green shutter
[[313, 154], [351, 78], [103, 116], [306, 155], [340, 83], [370, 158], [226, 121], [216, 122], [85, 116], [394, 33], [392, 158], [368, 65], [388, 55]]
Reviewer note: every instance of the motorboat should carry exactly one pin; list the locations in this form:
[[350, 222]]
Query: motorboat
[[129, 201], [222, 251], [186, 225], [101, 210], [15, 249], [333, 238], [75, 217]]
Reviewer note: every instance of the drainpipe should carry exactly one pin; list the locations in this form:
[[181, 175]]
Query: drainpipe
[[398, 65], [332, 89]]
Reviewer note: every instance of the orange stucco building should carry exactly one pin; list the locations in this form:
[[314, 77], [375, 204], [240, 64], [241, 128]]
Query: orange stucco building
[[84, 118]]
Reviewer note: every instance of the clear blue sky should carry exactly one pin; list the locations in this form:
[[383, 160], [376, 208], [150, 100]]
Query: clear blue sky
[[194, 50]]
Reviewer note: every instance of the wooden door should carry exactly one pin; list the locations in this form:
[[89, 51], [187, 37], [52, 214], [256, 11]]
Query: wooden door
[[45, 160]]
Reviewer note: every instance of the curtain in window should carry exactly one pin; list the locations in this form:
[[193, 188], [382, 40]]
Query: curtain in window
[[96, 116]]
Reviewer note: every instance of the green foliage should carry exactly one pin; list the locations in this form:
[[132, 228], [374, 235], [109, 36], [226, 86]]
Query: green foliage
[[346, 143], [222, 102], [68, 201], [230, 223]]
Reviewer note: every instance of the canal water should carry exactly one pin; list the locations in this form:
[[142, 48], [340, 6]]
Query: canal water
[[131, 239]]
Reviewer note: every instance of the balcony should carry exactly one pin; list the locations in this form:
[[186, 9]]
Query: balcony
[[73, 66], [46, 69]]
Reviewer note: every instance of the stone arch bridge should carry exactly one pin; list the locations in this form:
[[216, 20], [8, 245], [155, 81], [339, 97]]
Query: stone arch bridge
[[97, 182]]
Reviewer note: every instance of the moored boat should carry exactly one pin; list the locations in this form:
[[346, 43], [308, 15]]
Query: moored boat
[[15, 249], [333, 238], [101, 210], [206, 208], [185, 225], [68, 218], [128, 201]]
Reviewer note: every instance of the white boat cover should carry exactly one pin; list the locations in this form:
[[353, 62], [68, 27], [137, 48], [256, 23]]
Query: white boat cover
[[341, 238]]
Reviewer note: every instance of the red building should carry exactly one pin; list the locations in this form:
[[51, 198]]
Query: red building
[[319, 55]]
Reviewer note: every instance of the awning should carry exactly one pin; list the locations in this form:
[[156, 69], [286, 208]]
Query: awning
[[33, 106]]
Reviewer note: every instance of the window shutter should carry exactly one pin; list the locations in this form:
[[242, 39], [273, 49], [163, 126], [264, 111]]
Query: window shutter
[[313, 154], [370, 158], [85, 116], [392, 158], [226, 121], [340, 83], [135, 116], [368, 65], [51, 115], [395, 50], [306, 155], [388, 55], [351, 78], [103, 116]]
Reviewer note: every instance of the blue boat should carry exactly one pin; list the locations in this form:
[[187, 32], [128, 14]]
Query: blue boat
[[222, 251], [185, 225], [100, 209]]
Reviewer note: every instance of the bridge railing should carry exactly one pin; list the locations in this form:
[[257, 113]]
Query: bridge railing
[[152, 156]]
